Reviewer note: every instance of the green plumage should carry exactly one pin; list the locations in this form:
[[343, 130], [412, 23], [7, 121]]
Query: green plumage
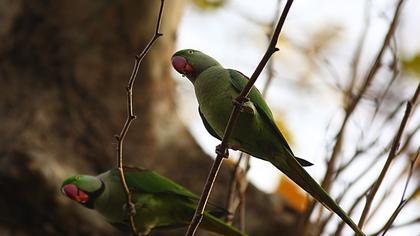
[[255, 131], [160, 202]]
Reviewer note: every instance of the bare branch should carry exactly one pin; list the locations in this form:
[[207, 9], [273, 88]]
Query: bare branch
[[355, 101], [403, 201], [351, 106], [130, 118], [390, 158], [388, 192], [408, 223], [358, 52], [395, 74], [222, 149]]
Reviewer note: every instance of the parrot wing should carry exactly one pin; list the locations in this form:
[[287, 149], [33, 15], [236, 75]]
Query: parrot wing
[[143, 180], [239, 81], [207, 125]]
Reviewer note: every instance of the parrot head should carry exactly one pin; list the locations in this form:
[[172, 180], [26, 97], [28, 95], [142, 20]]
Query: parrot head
[[83, 189], [190, 62]]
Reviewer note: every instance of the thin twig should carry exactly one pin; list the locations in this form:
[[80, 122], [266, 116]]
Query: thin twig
[[407, 223], [403, 200], [230, 206], [380, 202], [324, 222], [394, 77], [392, 154], [358, 52], [130, 118], [355, 181], [355, 101], [350, 108], [222, 149], [340, 226]]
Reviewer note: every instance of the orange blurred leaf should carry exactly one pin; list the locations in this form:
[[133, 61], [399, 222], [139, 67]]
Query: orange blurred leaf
[[297, 199]]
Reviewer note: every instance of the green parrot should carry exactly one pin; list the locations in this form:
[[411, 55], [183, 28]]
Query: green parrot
[[160, 203], [255, 132]]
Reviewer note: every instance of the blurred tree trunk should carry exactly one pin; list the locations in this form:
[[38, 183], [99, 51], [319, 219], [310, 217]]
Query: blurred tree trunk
[[63, 69]]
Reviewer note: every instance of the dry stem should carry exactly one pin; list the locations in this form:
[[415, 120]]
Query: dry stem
[[392, 154], [351, 106], [130, 118]]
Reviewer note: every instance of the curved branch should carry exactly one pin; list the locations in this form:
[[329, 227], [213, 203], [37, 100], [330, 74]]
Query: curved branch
[[130, 118]]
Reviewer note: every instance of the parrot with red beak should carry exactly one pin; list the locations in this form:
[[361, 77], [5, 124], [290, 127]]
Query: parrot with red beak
[[160, 203], [255, 132]]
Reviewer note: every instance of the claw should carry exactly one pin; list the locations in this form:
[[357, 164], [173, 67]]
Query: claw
[[219, 151], [245, 106], [131, 208]]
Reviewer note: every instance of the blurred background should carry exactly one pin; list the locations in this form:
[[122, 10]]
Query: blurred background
[[64, 66]]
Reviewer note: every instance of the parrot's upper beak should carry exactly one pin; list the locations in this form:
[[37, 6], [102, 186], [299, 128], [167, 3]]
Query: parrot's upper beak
[[181, 65], [74, 193]]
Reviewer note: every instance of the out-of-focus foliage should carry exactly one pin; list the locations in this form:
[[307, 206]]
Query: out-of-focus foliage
[[285, 187], [323, 38], [311, 54], [289, 190], [209, 4], [294, 195], [412, 65]]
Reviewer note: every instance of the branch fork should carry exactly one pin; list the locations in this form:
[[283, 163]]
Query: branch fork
[[130, 206]]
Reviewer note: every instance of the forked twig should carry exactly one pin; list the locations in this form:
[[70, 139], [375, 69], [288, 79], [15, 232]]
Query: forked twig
[[222, 149], [403, 200], [130, 118], [355, 101], [392, 154]]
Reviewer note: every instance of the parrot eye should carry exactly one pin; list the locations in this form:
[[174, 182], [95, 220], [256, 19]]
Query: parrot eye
[[190, 52], [77, 177]]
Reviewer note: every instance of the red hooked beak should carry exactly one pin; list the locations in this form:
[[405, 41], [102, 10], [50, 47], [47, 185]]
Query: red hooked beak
[[74, 193], [181, 65]]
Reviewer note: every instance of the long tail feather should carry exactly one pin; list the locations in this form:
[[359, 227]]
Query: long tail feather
[[291, 167], [216, 225]]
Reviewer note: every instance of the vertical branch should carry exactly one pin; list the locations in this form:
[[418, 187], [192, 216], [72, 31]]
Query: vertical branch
[[392, 154], [130, 118], [222, 149], [358, 52], [238, 180]]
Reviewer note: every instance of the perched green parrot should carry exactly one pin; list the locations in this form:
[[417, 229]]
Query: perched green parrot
[[160, 203], [255, 132]]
